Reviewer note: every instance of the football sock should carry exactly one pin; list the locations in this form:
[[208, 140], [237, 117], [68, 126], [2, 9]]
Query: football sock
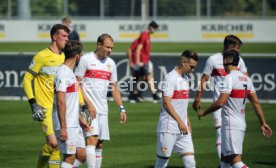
[[99, 158], [44, 156], [239, 165], [218, 141], [54, 161], [189, 161], [91, 156], [66, 165], [161, 162], [224, 165], [77, 163]]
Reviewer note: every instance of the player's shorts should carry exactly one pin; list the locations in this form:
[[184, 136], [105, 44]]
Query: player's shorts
[[75, 140], [47, 123], [217, 118], [142, 71], [93, 129], [103, 127], [231, 141], [179, 143]]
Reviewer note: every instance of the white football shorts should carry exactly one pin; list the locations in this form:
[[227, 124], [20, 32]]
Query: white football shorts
[[75, 140], [103, 127], [231, 141], [179, 143], [93, 129]]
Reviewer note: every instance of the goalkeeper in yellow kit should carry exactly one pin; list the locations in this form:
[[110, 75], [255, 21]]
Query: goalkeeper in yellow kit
[[42, 71]]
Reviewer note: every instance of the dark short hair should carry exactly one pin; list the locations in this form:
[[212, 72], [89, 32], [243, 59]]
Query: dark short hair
[[189, 54], [233, 55], [230, 40], [72, 48], [153, 24], [102, 37], [55, 29]]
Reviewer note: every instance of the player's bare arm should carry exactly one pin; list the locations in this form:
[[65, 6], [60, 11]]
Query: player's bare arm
[[266, 130], [138, 55], [118, 100], [88, 103], [61, 107], [204, 79], [189, 124], [216, 105], [168, 106]]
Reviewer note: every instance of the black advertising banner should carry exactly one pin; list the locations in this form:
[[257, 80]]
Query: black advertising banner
[[261, 70]]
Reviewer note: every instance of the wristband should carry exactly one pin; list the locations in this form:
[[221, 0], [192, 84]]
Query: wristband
[[122, 109]]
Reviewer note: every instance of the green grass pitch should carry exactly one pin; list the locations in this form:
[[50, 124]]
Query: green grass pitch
[[132, 145]]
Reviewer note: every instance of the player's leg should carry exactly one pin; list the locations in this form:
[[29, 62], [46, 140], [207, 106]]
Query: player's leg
[[91, 143], [81, 150], [50, 153], [103, 135], [165, 145], [185, 147], [232, 141], [150, 79], [217, 125], [69, 147]]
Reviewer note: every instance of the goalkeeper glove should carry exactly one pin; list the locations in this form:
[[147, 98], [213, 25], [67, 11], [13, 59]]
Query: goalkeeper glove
[[37, 110], [85, 114]]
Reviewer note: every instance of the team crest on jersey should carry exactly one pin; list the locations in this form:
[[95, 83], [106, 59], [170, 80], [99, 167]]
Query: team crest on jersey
[[108, 67], [71, 147], [164, 149]]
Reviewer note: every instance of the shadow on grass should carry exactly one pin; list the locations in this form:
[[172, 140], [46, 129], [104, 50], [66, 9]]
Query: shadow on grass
[[265, 163]]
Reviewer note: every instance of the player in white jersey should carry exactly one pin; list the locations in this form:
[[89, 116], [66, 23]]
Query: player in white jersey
[[214, 68], [233, 93], [174, 127], [66, 113], [97, 72]]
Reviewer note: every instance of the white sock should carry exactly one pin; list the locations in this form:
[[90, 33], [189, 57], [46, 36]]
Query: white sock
[[239, 165], [161, 163], [66, 165], [189, 161], [99, 158], [77, 163], [224, 165], [91, 156], [218, 141]]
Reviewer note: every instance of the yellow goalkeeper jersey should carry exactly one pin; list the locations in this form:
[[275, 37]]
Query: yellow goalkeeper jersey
[[42, 70]]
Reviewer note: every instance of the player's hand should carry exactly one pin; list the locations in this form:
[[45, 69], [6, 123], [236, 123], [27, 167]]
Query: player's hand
[[196, 104], [85, 114], [123, 118], [183, 128], [63, 135], [140, 64], [83, 124], [200, 114], [122, 114], [131, 65], [38, 112], [266, 130], [92, 110]]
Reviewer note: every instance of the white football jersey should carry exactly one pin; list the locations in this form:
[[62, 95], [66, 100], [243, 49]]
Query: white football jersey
[[214, 68], [96, 75], [65, 81], [176, 87], [239, 87]]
